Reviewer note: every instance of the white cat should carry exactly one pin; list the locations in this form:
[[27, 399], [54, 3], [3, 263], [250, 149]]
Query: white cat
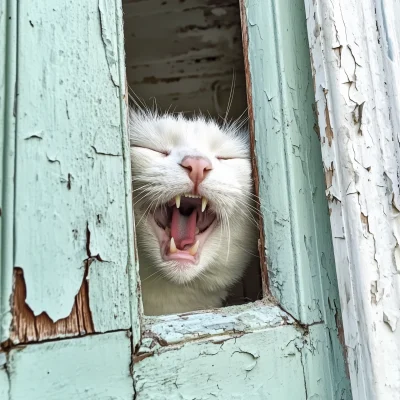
[[192, 190]]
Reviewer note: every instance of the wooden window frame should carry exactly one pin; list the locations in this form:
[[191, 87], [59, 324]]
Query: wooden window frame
[[354, 47]]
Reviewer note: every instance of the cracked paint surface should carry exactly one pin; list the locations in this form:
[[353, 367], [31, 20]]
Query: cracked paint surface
[[99, 370], [356, 75], [238, 368], [70, 185]]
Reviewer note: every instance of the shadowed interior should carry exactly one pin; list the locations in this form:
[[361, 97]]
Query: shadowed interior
[[183, 56]]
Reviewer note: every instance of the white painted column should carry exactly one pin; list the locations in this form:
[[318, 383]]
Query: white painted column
[[355, 57]]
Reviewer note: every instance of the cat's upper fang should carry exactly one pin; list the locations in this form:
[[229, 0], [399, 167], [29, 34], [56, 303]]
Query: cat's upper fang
[[203, 204]]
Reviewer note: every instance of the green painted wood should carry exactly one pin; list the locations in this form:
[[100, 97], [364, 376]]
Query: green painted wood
[[299, 253], [94, 367], [262, 365], [291, 185], [322, 360], [8, 69], [4, 382], [72, 160]]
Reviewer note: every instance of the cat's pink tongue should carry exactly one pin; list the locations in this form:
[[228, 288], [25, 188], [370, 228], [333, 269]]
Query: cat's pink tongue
[[183, 229]]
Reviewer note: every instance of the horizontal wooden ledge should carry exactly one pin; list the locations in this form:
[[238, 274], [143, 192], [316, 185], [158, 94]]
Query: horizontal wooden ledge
[[232, 321]]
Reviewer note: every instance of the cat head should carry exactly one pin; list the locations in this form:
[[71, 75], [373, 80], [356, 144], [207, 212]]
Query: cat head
[[192, 193]]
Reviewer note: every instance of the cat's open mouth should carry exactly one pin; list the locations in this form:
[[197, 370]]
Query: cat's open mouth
[[182, 227]]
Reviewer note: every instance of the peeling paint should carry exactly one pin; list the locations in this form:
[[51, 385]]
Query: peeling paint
[[250, 367], [235, 321], [75, 173], [28, 327], [108, 35], [328, 128], [356, 64], [391, 318]]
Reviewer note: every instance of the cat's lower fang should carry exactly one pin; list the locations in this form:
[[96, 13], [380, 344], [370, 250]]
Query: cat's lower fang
[[194, 248], [172, 246]]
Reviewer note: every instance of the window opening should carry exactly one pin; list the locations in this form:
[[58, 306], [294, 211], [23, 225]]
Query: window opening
[[187, 57]]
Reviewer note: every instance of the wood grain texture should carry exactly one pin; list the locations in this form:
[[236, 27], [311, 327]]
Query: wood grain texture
[[90, 368], [355, 49], [8, 72], [30, 328], [72, 206]]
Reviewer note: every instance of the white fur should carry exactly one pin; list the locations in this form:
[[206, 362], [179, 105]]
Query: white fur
[[158, 178]]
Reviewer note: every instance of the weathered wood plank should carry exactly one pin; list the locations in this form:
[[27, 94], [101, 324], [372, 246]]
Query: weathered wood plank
[[8, 72], [262, 365], [173, 329], [291, 184], [324, 374], [94, 367], [73, 232], [301, 268], [355, 49]]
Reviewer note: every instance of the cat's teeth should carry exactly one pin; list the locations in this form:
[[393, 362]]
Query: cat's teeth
[[197, 230], [178, 201], [203, 204], [194, 248], [172, 246]]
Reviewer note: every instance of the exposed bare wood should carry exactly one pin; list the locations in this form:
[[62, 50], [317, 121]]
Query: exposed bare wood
[[27, 327]]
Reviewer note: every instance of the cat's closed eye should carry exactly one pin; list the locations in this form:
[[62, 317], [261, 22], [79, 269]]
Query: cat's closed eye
[[230, 158], [164, 152]]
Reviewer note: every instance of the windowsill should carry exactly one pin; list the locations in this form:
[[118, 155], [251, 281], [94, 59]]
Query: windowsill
[[233, 321]]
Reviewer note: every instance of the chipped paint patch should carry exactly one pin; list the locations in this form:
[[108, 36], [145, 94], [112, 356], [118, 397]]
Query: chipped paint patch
[[109, 35], [28, 327], [72, 164], [253, 366], [236, 321]]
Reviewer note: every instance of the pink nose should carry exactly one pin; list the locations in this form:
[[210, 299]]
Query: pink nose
[[197, 168]]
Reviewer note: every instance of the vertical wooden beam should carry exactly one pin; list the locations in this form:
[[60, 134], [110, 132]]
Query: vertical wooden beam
[[299, 249], [355, 48], [71, 245], [8, 76]]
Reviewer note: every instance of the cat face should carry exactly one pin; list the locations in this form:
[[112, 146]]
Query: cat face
[[192, 193]]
